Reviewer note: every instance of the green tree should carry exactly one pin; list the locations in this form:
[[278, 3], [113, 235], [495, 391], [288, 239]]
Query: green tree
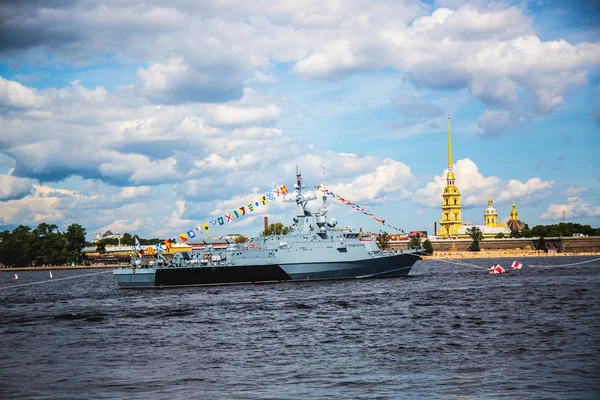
[[526, 232], [428, 247], [127, 240], [477, 236], [22, 244], [146, 242], [539, 230], [240, 239], [4, 249], [275, 229], [49, 245], [17, 247], [499, 236], [541, 244], [415, 242], [587, 230], [101, 246], [383, 241], [75, 236], [111, 241]]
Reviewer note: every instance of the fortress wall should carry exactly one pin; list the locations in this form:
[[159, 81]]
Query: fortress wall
[[559, 244]]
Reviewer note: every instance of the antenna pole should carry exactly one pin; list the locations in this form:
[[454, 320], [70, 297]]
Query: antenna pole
[[324, 197]]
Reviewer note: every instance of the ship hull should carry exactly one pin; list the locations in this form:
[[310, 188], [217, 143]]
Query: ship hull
[[390, 266]]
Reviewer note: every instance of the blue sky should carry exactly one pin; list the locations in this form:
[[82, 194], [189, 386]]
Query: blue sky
[[154, 118]]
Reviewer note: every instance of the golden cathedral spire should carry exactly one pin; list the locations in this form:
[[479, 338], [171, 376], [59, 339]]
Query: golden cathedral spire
[[449, 143], [450, 176], [451, 220]]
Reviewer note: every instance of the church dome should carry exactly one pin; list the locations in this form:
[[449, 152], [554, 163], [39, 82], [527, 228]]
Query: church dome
[[514, 224], [490, 209]]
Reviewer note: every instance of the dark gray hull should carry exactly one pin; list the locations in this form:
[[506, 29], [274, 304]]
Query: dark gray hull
[[396, 265], [389, 266]]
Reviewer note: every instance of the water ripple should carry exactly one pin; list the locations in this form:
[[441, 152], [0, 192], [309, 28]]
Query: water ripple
[[445, 332]]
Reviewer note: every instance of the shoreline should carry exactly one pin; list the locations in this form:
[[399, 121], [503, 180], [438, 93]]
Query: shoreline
[[447, 255], [62, 267], [504, 254]]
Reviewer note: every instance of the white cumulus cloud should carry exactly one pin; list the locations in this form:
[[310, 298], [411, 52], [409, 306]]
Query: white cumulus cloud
[[574, 208], [476, 189]]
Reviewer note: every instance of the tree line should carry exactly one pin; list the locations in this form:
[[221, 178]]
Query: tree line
[[383, 241], [47, 245], [539, 231], [127, 240], [555, 230], [43, 245]]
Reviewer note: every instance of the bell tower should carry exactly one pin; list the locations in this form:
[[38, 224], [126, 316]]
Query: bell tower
[[490, 215], [451, 209]]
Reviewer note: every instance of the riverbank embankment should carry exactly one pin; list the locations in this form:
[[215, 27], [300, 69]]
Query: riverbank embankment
[[63, 267], [505, 254]]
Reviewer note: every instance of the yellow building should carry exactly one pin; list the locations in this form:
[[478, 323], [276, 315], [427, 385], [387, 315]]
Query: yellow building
[[451, 221], [451, 225], [490, 216], [490, 228]]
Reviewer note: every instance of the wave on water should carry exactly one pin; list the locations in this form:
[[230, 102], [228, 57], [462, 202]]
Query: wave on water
[[447, 331]]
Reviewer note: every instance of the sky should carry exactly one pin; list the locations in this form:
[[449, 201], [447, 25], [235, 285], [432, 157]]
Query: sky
[[155, 117]]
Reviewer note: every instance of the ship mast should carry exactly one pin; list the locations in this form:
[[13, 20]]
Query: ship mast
[[324, 197], [301, 200]]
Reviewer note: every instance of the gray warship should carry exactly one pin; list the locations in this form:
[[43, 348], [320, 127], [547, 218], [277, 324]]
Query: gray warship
[[314, 249]]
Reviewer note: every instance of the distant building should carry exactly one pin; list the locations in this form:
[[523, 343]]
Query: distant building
[[108, 235], [122, 254], [514, 224], [451, 208], [421, 234], [451, 225], [491, 228]]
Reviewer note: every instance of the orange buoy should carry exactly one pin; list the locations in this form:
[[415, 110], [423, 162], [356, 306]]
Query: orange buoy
[[258, 246], [251, 246]]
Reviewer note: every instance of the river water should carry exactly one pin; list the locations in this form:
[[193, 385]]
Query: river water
[[445, 332]]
